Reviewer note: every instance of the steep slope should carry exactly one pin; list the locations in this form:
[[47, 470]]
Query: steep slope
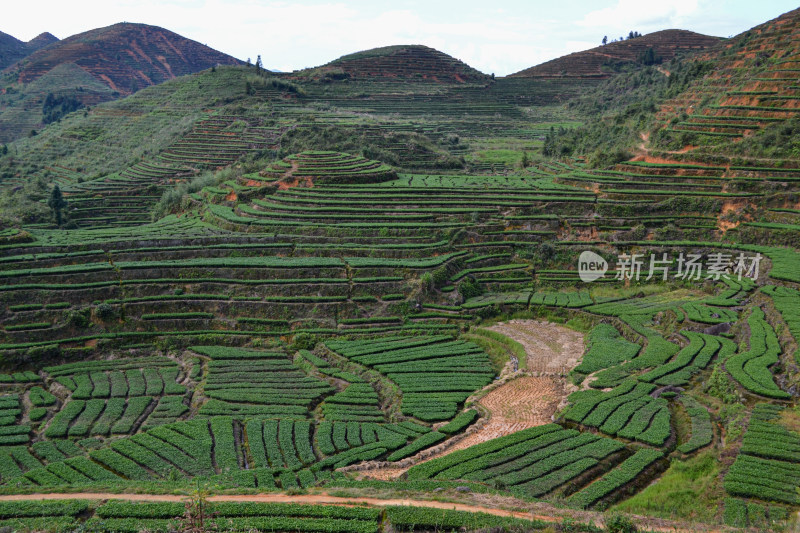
[[753, 86], [11, 50], [93, 67], [400, 62], [600, 62]]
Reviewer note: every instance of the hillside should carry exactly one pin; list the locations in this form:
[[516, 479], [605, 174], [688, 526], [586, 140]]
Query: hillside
[[125, 56], [751, 92], [603, 61], [93, 67], [400, 62], [12, 49]]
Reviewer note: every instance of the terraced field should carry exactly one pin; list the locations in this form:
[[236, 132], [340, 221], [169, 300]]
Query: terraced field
[[346, 279]]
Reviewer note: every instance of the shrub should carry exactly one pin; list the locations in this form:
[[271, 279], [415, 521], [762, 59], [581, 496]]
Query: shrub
[[617, 523], [104, 311]]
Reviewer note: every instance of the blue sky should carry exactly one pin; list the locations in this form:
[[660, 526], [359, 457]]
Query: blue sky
[[502, 37]]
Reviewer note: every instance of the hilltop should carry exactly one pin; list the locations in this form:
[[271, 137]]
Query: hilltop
[[12, 49], [399, 62], [125, 56], [601, 62]]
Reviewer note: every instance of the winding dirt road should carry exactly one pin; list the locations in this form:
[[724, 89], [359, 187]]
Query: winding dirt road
[[326, 499]]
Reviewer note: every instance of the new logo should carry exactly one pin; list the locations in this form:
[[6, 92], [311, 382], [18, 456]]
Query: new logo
[[591, 266]]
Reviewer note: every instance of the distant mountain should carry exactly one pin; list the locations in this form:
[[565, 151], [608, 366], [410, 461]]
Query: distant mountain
[[400, 62], [126, 57], [600, 62], [41, 40], [12, 49]]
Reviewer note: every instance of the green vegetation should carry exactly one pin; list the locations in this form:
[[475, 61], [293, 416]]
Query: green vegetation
[[283, 282]]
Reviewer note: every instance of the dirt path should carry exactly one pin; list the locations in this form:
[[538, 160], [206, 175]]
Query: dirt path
[[538, 511]]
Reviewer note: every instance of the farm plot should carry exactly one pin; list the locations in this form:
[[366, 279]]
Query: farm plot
[[549, 347], [606, 348], [123, 517], [11, 432], [768, 465], [532, 462], [257, 383], [751, 368], [787, 301], [627, 411], [114, 397], [434, 374]]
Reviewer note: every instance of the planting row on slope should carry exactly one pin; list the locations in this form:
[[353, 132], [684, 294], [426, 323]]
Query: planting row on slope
[[435, 375]]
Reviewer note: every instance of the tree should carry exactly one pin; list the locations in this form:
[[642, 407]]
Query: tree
[[630, 35], [605, 39], [259, 65], [649, 57], [196, 517], [526, 160], [4, 150], [57, 203]]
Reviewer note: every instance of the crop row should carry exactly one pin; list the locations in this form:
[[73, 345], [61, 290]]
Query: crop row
[[119, 384], [606, 348], [79, 418], [434, 377], [702, 430], [709, 315], [627, 411], [751, 368], [787, 301], [616, 478], [99, 366]]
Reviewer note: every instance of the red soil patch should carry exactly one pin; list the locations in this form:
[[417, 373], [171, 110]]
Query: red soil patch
[[729, 206]]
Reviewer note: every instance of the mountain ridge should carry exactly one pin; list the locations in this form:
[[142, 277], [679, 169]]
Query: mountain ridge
[[126, 56], [597, 62]]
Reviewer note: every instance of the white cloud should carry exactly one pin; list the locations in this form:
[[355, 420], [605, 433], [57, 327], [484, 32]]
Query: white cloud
[[641, 16]]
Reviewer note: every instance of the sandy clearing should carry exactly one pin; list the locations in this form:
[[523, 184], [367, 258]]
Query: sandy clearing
[[550, 347]]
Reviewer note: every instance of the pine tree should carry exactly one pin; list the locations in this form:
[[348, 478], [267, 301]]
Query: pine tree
[[259, 65], [605, 39], [57, 203]]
